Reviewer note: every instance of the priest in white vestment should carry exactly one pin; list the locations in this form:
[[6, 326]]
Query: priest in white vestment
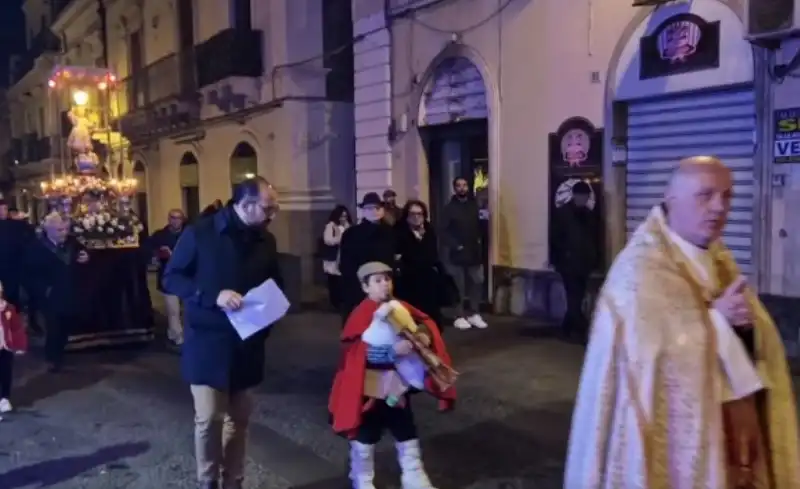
[[670, 396]]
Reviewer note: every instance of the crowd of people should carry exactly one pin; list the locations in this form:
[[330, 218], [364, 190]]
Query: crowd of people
[[434, 267], [685, 383]]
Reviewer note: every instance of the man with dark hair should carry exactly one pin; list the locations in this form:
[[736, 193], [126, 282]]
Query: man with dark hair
[[461, 237], [371, 240], [214, 264], [575, 254], [391, 212]]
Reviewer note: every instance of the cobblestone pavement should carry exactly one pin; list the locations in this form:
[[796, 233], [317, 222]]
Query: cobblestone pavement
[[119, 420]]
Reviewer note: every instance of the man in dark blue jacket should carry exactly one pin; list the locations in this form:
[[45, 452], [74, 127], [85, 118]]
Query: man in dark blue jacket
[[162, 242], [52, 265], [214, 264]]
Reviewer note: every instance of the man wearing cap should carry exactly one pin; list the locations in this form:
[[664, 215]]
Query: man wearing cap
[[371, 240], [575, 255], [391, 213]]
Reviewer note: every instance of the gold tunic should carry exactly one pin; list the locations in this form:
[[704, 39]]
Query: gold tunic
[[649, 409]]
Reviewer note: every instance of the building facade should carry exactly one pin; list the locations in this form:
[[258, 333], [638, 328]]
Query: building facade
[[527, 97], [208, 92]]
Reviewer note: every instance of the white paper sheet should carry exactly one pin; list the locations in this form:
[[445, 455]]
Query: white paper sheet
[[261, 308]]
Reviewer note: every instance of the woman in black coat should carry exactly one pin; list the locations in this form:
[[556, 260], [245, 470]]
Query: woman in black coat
[[420, 279]]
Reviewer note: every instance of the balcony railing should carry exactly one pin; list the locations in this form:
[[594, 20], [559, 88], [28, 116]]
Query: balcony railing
[[401, 7], [43, 43], [231, 52], [171, 77]]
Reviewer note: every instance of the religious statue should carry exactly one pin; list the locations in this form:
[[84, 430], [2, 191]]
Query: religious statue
[[80, 141]]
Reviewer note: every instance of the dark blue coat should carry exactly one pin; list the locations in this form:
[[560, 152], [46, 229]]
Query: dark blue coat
[[51, 274], [161, 238], [205, 262]]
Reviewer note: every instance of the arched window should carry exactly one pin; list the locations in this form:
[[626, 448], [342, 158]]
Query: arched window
[[190, 185], [243, 163]]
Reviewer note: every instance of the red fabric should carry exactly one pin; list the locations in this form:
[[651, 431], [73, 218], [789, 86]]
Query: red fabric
[[16, 338], [346, 399]]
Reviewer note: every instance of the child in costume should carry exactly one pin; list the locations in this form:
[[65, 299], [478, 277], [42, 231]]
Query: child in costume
[[378, 372], [13, 341]]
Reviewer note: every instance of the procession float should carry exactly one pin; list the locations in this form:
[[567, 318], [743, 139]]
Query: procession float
[[87, 186]]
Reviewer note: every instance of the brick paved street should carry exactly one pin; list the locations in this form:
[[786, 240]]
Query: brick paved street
[[123, 419]]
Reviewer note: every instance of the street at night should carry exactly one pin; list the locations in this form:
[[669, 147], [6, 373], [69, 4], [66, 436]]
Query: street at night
[[124, 419]]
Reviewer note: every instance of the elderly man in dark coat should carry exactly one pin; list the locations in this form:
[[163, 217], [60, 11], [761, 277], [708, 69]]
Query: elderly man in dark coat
[[371, 240], [214, 264], [52, 266]]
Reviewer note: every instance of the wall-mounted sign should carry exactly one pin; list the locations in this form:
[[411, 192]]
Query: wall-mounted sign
[[681, 44], [576, 148], [576, 155], [787, 136]]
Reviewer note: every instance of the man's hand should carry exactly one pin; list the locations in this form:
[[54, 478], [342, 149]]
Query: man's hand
[[743, 434], [229, 299], [733, 304], [403, 347], [164, 252], [83, 257]]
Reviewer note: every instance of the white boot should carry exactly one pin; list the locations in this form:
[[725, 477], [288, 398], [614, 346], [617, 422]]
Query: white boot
[[362, 465], [410, 458]]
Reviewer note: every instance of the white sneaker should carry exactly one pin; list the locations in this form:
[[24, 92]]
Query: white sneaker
[[5, 406], [477, 321], [462, 323]]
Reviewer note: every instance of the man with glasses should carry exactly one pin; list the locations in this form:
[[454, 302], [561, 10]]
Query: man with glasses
[[215, 263], [162, 243]]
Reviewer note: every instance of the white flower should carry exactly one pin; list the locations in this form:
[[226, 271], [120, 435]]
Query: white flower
[[120, 226], [77, 229], [110, 230]]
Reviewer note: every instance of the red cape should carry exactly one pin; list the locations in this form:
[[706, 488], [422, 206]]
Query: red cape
[[14, 334], [346, 401]]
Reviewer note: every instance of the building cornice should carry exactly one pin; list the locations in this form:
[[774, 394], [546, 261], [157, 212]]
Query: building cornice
[[37, 76], [70, 13]]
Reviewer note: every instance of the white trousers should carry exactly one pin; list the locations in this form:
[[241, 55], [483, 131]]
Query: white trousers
[[174, 322]]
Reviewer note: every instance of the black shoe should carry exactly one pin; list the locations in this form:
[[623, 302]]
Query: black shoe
[[209, 485], [55, 368]]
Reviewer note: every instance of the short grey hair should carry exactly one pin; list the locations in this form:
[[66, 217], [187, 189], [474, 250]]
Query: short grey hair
[[53, 219]]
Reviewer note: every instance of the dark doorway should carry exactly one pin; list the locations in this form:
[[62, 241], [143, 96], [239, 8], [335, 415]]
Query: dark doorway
[[454, 150], [186, 45], [190, 186]]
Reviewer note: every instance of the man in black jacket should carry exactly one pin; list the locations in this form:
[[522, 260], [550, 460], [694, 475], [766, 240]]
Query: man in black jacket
[[162, 242], [215, 263], [461, 237], [52, 265], [371, 240], [575, 256]]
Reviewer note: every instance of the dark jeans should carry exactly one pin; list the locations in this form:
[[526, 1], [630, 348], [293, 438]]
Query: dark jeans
[[58, 327], [575, 285], [398, 420], [6, 373], [334, 290]]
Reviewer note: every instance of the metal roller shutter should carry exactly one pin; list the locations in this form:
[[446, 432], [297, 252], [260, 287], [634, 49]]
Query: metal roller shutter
[[661, 132]]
